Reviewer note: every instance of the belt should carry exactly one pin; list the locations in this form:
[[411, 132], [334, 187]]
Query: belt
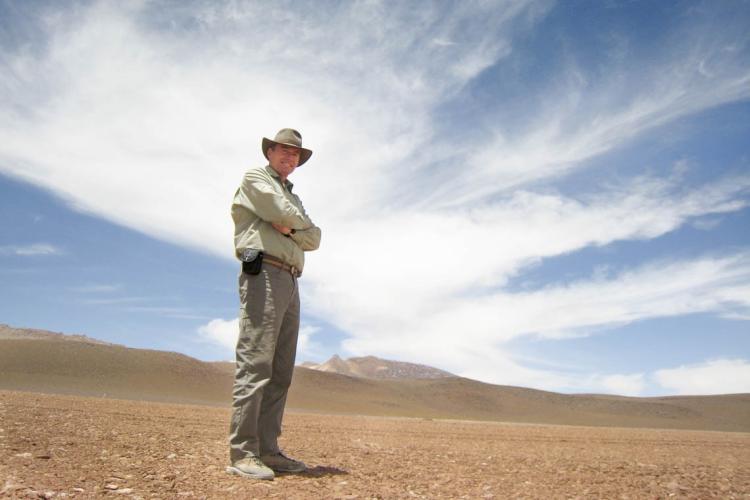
[[276, 262]]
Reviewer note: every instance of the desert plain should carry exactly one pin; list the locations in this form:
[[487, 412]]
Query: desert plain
[[85, 419], [59, 446]]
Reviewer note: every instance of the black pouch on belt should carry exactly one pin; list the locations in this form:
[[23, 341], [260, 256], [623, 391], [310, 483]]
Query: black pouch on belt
[[251, 261]]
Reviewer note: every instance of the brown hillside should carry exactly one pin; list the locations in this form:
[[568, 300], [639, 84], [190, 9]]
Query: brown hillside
[[81, 368], [9, 332], [59, 366]]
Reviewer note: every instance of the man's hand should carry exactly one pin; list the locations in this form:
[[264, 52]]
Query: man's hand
[[286, 231]]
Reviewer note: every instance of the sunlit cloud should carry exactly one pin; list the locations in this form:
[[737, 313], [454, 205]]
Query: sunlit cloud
[[719, 376], [221, 332], [308, 348], [469, 335], [224, 333]]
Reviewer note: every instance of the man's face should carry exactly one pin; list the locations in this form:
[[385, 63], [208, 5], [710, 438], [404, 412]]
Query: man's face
[[283, 159]]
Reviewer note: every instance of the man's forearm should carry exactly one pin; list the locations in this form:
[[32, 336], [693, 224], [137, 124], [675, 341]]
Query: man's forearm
[[307, 239]]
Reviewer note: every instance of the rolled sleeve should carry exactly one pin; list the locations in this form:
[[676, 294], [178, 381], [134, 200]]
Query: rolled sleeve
[[307, 239]]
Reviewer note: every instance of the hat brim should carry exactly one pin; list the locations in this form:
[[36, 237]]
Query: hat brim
[[304, 154]]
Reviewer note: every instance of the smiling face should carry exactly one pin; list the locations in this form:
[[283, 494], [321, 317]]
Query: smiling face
[[283, 159]]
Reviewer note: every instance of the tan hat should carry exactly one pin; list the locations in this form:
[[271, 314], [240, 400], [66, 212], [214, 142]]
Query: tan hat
[[289, 137]]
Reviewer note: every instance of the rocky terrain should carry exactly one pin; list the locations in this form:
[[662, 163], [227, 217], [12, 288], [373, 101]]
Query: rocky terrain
[[76, 447]]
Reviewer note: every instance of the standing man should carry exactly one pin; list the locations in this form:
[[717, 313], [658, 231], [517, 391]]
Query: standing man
[[271, 233]]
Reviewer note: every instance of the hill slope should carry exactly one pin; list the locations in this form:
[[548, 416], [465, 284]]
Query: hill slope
[[59, 366]]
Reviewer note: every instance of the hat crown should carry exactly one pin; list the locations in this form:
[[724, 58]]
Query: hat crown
[[289, 136]]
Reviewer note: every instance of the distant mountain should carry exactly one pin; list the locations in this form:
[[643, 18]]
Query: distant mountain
[[9, 332], [56, 363], [376, 368]]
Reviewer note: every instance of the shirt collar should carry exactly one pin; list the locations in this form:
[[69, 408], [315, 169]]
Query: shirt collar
[[287, 184]]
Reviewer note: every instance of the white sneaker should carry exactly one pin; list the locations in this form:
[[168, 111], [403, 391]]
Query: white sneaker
[[251, 467]]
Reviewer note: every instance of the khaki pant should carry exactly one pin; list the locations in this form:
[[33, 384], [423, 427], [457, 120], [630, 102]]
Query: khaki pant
[[266, 349]]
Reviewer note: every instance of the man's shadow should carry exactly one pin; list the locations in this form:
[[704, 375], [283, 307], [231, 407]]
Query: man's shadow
[[323, 470]]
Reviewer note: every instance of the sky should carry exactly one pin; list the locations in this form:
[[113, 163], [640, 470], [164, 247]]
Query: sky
[[534, 193]]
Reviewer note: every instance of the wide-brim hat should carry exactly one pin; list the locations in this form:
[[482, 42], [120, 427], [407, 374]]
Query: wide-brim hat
[[288, 137]]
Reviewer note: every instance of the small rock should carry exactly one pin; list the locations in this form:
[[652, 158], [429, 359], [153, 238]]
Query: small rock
[[171, 456], [111, 487], [23, 455], [124, 491], [674, 485]]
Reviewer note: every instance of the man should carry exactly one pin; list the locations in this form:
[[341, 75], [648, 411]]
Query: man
[[272, 232]]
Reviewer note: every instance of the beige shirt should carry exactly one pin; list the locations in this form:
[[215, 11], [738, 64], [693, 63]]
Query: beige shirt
[[261, 199]]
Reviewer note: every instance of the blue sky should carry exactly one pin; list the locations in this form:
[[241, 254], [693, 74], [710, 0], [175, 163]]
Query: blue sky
[[544, 194]]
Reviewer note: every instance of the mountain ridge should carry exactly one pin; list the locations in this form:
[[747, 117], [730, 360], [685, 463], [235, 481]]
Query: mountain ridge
[[55, 365], [377, 368]]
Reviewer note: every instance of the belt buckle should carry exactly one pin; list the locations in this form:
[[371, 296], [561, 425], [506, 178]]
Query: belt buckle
[[294, 271]]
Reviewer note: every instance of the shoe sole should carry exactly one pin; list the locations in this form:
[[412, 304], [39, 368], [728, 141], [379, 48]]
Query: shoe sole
[[238, 472]]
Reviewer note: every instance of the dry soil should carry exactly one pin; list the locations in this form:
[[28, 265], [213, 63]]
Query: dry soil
[[76, 447]]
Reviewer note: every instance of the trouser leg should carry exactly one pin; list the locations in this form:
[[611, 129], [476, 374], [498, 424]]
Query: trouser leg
[[264, 301], [275, 392]]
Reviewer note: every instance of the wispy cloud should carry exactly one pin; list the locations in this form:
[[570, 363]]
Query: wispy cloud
[[460, 257], [582, 117], [120, 300], [185, 108], [96, 288], [469, 334], [718, 376], [34, 249]]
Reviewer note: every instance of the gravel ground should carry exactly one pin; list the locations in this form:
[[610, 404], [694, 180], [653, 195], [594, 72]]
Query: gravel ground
[[74, 447]]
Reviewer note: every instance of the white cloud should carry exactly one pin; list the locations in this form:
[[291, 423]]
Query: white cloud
[[624, 385], [224, 333], [308, 349], [30, 250], [579, 120], [718, 376], [154, 128], [221, 332], [435, 266], [468, 333]]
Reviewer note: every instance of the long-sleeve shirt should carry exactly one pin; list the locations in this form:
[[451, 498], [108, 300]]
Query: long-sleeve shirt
[[262, 199]]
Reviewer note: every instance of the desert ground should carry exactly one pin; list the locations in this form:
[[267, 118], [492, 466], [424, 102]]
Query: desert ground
[[57, 446]]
